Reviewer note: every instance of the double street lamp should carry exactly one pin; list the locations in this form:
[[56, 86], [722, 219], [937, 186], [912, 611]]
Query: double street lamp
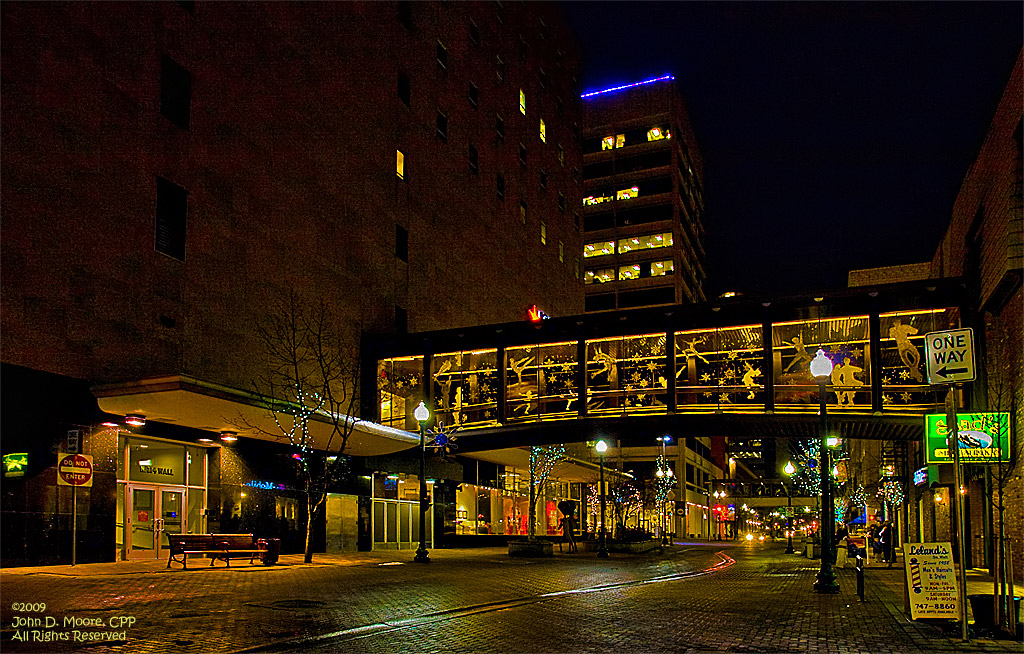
[[789, 469], [821, 369], [422, 414], [602, 549], [661, 475]]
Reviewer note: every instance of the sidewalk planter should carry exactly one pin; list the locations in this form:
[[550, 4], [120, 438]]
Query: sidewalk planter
[[984, 612], [532, 548]]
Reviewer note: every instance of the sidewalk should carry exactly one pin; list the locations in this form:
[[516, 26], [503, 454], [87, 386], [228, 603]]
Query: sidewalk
[[480, 600]]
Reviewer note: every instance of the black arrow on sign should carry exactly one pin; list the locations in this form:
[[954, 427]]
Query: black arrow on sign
[[946, 371]]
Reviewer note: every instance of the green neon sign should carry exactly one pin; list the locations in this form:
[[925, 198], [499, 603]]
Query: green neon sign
[[15, 465], [984, 437]]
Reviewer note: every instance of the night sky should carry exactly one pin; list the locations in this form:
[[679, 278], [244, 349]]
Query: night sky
[[835, 136]]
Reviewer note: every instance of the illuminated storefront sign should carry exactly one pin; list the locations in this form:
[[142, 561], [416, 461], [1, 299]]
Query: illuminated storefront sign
[[983, 437], [15, 464], [265, 485]]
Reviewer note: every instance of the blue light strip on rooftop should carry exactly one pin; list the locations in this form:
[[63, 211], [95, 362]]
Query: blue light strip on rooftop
[[628, 86]]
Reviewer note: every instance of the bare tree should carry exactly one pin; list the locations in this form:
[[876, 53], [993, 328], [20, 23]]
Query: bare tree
[[308, 383]]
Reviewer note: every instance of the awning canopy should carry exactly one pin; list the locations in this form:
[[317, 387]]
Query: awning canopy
[[190, 402]]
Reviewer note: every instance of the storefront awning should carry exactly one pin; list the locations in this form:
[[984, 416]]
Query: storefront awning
[[190, 402]]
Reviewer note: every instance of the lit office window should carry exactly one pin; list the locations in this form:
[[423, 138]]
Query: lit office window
[[598, 199], [598, 248], [645, 242], [543, 132], [612, 142], [522, 102], [661, 268], [630, 272], [627, 193], [400, 169], [657, 133], [599, 276]]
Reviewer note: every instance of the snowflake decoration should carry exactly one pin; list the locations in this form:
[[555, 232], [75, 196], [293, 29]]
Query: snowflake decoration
[[905, 396], [886, 398], [636, 376], [706, 377], [730, 373], [886, 380], [733, 354], [904, 375], [641, 397], [708, 393], [724, 397], [652, 366]]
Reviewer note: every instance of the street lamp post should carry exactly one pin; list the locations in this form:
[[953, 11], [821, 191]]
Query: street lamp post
[[821, 369], [790, 469], [602, 549], [661, 473], [422, 414]]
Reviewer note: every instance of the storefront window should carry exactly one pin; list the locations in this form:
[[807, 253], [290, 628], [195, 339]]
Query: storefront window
[[156, 462]]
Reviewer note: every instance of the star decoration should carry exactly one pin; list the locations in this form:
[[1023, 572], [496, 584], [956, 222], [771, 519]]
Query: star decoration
[[857, 353], [724, 397], [706, 377], [730, 373], [886, 399], [487, 413], [886, 380], [708, 393], [629, 387], [652, 366], [905, 397], [733, 354], [566, 367], [641, 397], [721, 382], [904, 375]]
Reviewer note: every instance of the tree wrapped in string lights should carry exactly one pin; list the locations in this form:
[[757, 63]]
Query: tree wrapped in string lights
[[890, 491], [807, 477], [543, 460]]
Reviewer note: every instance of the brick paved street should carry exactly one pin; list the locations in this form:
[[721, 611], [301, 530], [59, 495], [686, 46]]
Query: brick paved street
[[478, 601]]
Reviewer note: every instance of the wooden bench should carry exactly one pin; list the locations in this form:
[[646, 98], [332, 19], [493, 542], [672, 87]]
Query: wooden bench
[[223, 547]]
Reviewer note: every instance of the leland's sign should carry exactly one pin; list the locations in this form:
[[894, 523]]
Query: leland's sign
[[983, 437], [931, 581]]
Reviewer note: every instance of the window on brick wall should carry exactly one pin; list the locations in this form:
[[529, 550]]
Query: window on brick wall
[[405, 13], [499, 183], [402, 243], [474, 160], [401, 320], [404, 91], [400, 164], [474, 33], [442, 126], [522, 156], [474, 95], [442, 57], [499, 128], [171, 211], [175, 93]]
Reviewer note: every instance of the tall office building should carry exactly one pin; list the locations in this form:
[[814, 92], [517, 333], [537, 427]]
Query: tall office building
[[643, 204], [171, 170]]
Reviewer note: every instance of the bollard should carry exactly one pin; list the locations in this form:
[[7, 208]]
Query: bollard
[[860, 578]]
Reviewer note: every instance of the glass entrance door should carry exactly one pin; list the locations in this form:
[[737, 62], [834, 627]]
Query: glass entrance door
[[153, 512]]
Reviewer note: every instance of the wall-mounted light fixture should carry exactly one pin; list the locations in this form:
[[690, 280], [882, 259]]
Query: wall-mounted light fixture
[[134, 420], [229, 436]]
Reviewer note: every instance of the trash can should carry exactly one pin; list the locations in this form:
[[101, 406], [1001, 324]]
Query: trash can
[[272, 549]]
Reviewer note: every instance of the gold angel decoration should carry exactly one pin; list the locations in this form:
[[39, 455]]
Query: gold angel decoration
[[606, 361], [748, 379]]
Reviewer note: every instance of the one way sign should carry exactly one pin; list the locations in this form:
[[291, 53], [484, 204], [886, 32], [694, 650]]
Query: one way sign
[[950, 356]]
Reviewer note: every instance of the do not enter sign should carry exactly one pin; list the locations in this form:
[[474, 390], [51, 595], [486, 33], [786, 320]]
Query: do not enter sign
[[74, 470]]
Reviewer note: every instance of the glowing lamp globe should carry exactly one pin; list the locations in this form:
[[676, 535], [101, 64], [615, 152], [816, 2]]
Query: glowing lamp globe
[[660, 473], [601, 447], [421, 413], [790, 468], [821, 366]]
